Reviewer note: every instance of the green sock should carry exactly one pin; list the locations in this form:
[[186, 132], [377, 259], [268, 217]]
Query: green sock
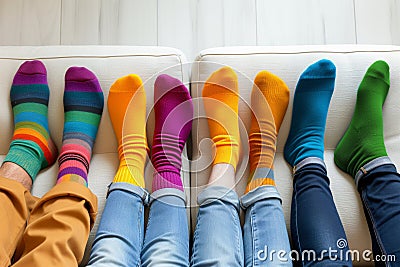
[[363, 141]]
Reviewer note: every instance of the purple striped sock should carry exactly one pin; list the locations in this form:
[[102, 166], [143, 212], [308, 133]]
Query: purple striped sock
[[173, 115]]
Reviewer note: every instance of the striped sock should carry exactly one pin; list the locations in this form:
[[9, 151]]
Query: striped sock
[[31, 147], [173, 109], [127, 109], [83, 107]]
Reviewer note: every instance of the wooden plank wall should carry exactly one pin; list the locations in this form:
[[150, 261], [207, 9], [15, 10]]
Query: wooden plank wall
[[193, 25]]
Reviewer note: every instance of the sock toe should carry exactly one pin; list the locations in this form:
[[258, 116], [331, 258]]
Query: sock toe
[[79, 74], [225, 77], [380, 70], [323, 68], [32, 67], [165, 83]]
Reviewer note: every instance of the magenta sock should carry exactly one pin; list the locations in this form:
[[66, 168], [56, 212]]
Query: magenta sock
[[173, 115]]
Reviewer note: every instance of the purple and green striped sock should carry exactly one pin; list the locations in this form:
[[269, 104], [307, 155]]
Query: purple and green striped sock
[[173, 114], [83, 107], [32, 147]]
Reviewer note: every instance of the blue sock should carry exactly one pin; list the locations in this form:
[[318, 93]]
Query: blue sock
[[310, 107]]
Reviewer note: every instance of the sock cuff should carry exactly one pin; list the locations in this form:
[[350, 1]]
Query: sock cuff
[[167, 179], [130, 175], [25, 159]]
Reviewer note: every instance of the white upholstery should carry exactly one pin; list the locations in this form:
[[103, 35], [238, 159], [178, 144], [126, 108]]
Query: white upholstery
[[288, 63], [108, 63]]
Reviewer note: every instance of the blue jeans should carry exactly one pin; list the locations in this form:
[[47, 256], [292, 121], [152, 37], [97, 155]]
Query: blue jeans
[[315, 223], [266, 241], [218, 236], [379, 188], [167, 234], [119, 238]]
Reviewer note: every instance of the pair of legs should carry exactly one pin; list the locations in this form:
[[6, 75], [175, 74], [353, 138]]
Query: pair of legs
[[362, 154], [219, 239], [121, 239], [52, 230], [315, 224]]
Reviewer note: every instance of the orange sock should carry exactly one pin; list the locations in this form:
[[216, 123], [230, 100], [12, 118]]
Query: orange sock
[[269, 101], [127, 109], [221, 98]]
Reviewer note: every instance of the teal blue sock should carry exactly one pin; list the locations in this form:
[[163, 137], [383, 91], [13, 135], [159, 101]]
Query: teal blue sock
[[310, 107]]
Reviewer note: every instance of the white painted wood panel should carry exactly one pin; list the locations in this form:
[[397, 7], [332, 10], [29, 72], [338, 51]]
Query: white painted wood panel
[[34, 22], [128, 22], [288, 22], [109, 22], [80, 22], [177, 25], [209, 24], [378, 21], [240, 22], [226, 23]]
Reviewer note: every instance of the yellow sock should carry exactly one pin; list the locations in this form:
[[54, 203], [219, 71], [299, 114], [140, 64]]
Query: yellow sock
[[269, 101], [127, 109], [221, 99]]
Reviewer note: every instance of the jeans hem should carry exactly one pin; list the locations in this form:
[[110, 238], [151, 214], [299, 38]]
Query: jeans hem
[[167, 192], [130, 188], [306, 161], [259, 193], [214, 193], [364, 170]]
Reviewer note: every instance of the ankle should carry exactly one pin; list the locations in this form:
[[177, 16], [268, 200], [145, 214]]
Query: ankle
[[14, 172]]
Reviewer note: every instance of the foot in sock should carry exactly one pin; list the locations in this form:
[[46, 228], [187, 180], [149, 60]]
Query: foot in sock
[[310, 107], [32, 147], [127, 109], [269, 101], [363, 141], [221, 99], [173, 110], [83, 107]]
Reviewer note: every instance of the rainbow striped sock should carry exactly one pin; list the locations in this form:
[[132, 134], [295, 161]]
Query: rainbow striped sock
[[83, 107], [31, 147]]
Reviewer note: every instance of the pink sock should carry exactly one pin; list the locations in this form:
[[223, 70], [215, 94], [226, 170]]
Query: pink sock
[[173, 115]]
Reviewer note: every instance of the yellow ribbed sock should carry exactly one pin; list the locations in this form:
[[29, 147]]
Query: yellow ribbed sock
[[221, 99], [269, 101], [127, 109]]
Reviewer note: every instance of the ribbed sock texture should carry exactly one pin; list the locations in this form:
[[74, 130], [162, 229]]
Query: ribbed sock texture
[[363, 141], [221, 99], [127, 109], [310, 108], [269, 101], [31, 147], [173, 109], [83, 107]]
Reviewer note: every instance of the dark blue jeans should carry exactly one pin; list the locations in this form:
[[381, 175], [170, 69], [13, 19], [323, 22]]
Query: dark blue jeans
[[317, 232], [379, 190]]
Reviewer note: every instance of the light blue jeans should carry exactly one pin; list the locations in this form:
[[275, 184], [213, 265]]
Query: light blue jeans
[[266, 241], [218, 236], [119, 239], [218, 239]]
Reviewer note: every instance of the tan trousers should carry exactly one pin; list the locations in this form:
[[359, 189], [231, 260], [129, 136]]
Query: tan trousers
[[47, 232]]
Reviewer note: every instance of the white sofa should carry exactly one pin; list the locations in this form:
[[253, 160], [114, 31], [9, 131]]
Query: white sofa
[[112, 62]]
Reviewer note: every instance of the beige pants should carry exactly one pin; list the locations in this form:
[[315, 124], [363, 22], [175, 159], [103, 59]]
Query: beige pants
[[47, 232]]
